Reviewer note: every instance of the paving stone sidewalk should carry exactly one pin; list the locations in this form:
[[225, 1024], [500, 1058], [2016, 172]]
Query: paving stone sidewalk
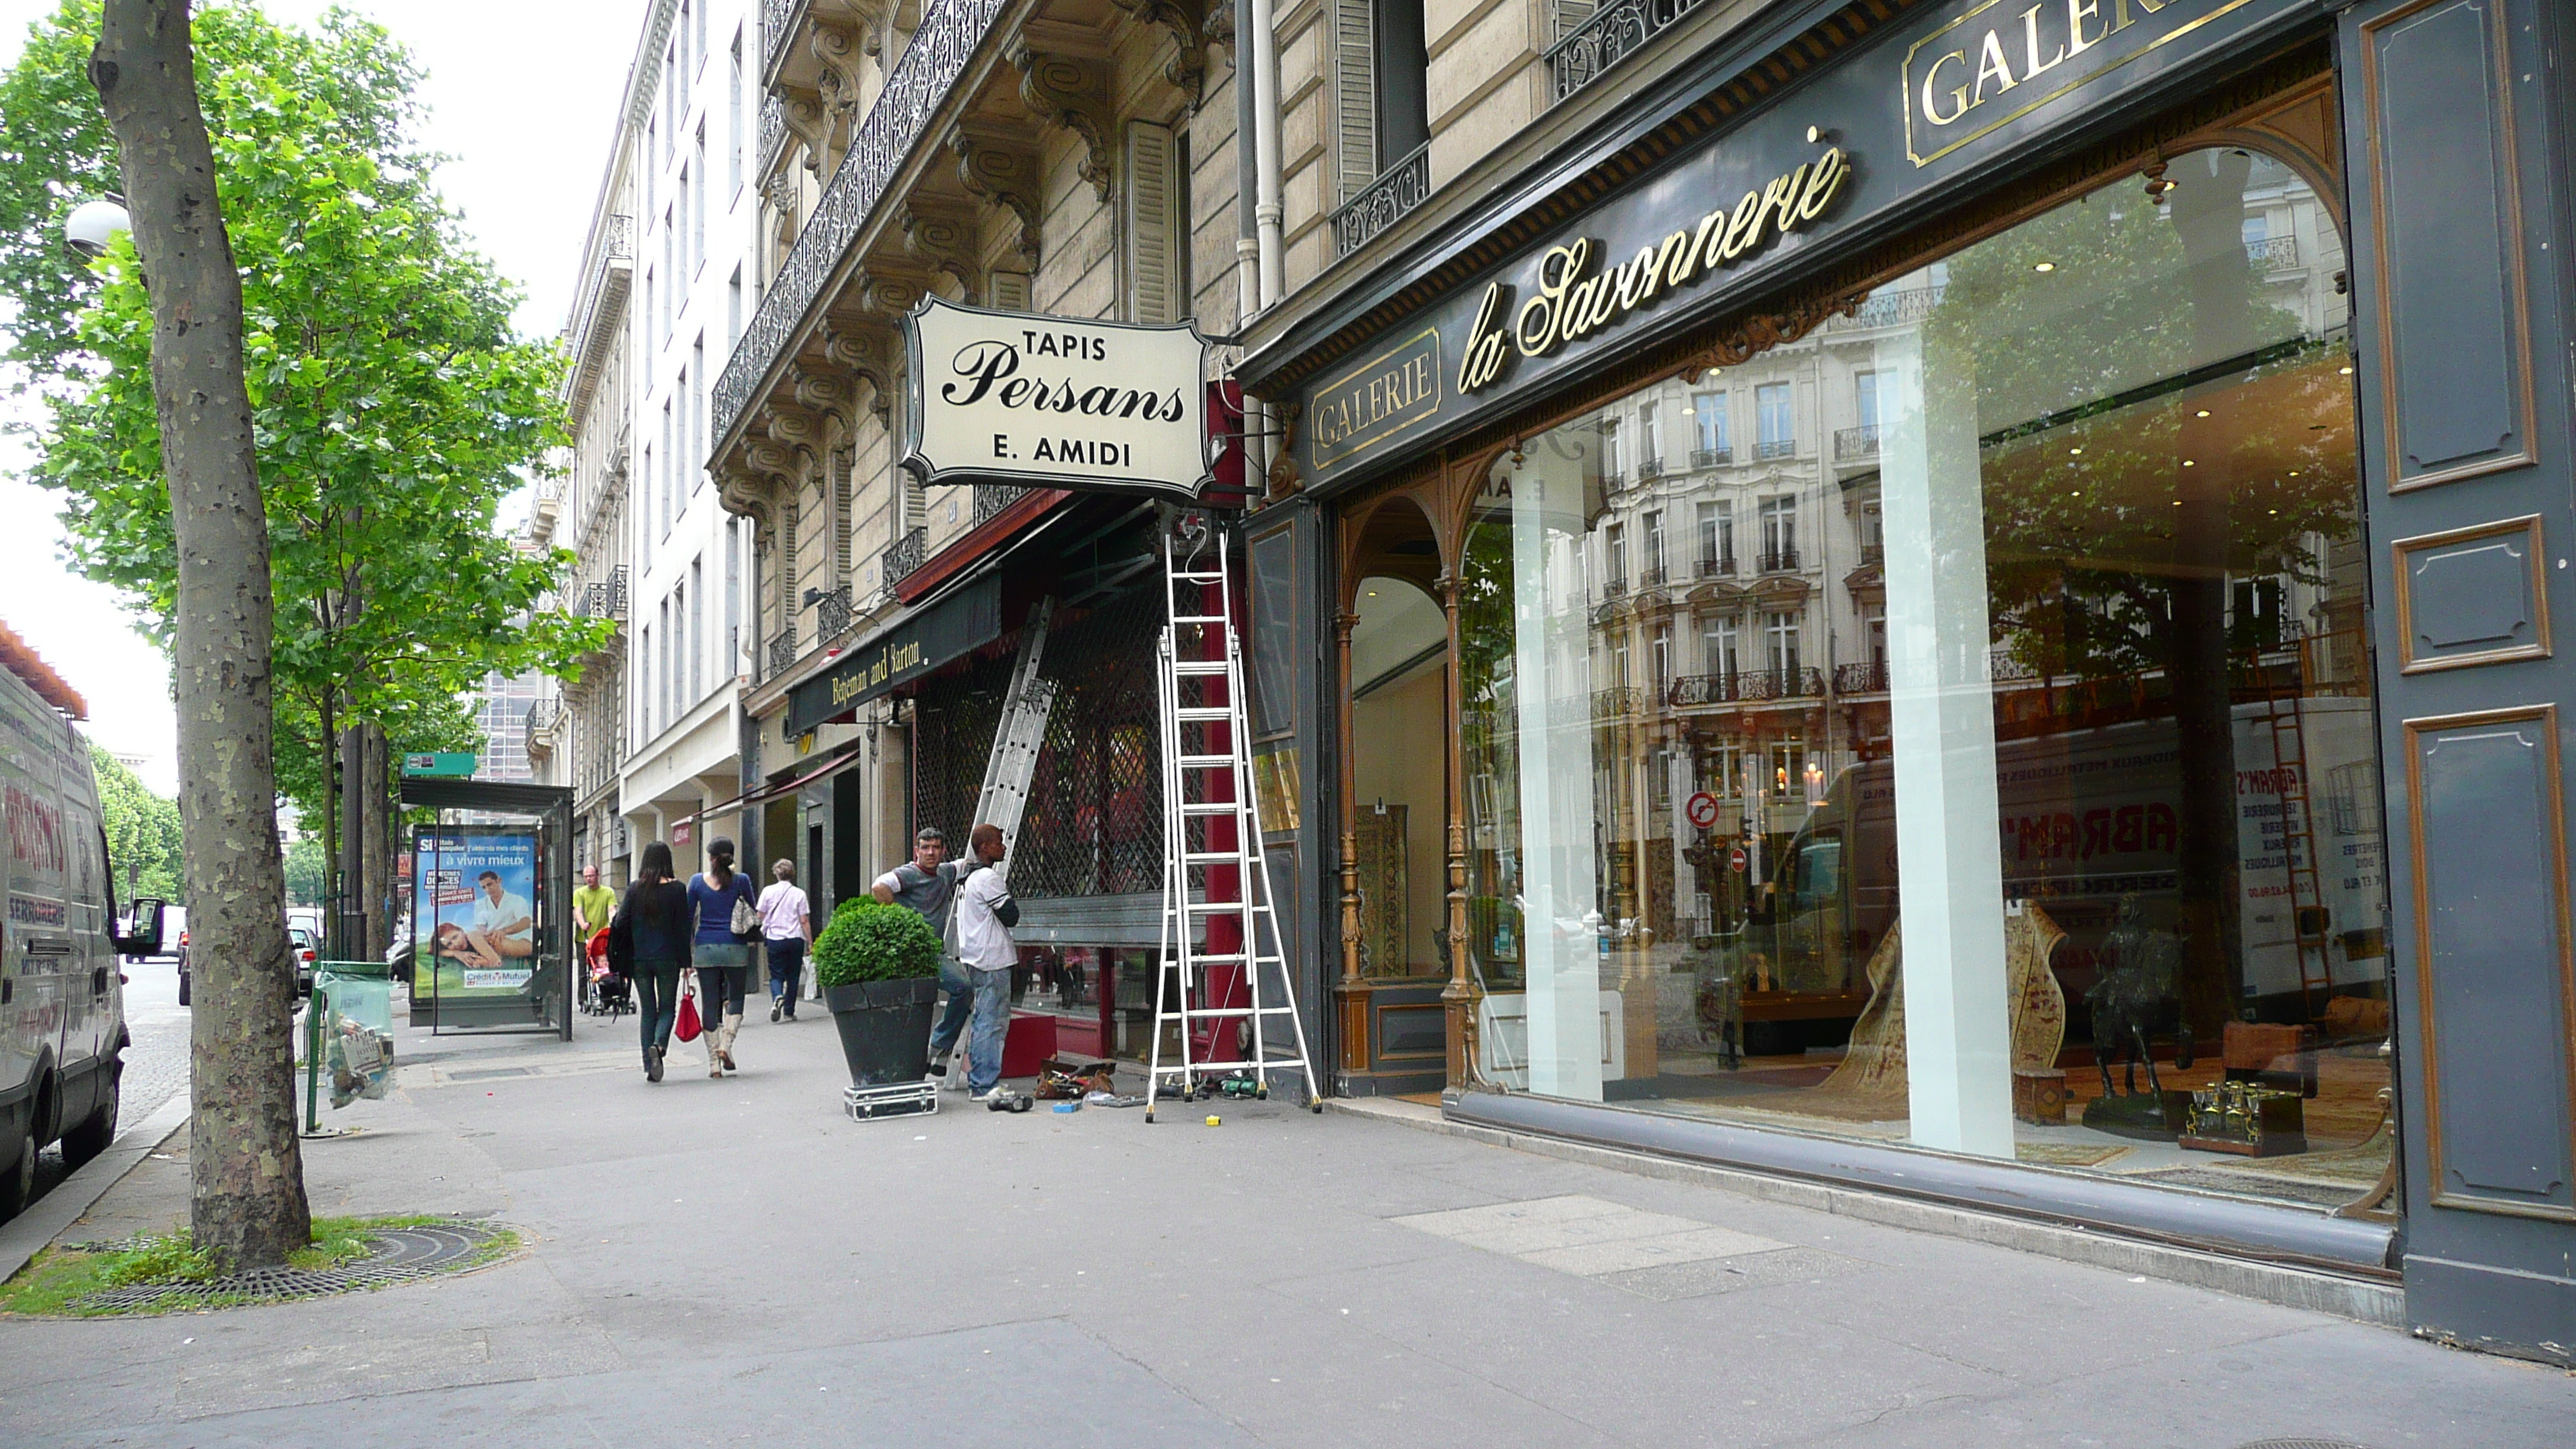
[[734, 1261]]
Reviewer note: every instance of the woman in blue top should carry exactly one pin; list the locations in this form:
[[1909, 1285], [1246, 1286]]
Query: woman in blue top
[[649, 942], [723, 961]]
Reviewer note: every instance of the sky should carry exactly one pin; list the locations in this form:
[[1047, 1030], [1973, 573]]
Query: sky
[[522, 96]]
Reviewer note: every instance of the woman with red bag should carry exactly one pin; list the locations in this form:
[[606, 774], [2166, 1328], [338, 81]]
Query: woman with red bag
[[651, 935]]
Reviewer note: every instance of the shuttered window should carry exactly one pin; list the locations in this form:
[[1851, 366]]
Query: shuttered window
[[1570, 15], [1354, 95], [1011, 291], [1152, 224]]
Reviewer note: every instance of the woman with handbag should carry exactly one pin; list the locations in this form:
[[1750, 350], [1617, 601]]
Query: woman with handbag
[[726, 915], [649, 942]]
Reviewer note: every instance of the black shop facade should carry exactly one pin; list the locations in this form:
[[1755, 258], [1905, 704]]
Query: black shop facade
[[1956, 600]]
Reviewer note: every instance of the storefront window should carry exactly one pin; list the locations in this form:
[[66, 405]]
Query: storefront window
[[2043, 826]]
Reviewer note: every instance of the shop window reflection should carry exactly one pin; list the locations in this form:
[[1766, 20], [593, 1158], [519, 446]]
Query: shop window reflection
[[1695, 898]]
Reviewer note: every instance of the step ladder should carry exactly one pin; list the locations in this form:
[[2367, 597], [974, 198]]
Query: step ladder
[[2308, 913], [1016, 741], [1214, 1004]]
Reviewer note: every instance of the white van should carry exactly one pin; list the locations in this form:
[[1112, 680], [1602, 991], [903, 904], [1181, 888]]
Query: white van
[[62, 1009]]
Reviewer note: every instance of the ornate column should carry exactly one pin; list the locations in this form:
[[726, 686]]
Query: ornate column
[[1350, 994], [1458, 999]]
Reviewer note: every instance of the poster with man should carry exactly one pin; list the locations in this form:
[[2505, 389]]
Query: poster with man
[[474, 895]]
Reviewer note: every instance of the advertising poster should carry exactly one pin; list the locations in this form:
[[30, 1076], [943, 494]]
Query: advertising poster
[[474, 905]]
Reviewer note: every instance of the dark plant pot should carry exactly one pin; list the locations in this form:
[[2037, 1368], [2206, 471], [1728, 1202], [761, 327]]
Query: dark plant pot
[[885, 1028]]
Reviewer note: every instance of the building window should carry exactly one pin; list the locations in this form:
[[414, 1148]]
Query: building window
[[735, 140], [1779, 533], [1774, 435], [733, 308], [1708, 410], [1663, 660], [1717, 651], [1717, 537], [697, 631], [1616, 542], [1654, 542], [1780, 641]]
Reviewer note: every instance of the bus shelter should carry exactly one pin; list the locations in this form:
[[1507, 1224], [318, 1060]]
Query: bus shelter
[[491, 907]]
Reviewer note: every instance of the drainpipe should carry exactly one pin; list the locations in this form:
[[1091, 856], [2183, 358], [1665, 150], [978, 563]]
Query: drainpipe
[[1265, 150], [1247, 250]]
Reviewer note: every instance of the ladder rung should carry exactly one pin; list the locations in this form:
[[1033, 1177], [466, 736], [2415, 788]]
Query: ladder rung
[[1212, 857], [1210, 714], [1200, 619], [1207, 1012], [1214, 906], [1274, 1064], [1206, 762], [1177, 576], [1211, 807], [1198, 667], [1202, 958]]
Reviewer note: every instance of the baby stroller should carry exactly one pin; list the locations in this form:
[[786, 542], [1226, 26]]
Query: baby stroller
[[604, 993]]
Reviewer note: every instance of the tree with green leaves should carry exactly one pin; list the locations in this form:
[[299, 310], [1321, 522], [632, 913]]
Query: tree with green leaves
[[394, 406], [143, 839]]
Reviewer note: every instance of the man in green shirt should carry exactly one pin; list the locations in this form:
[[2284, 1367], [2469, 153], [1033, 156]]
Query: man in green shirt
[[592, 905]]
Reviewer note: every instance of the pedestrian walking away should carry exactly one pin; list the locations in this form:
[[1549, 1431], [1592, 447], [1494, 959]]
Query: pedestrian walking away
[[786, 929], [927, 886], [985, 915], [649, 944], [723, 959]]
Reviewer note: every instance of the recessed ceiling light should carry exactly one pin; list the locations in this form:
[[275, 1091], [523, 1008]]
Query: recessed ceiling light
[[2204, 412], [1372, 593], [2276, 513], [2186, 462], [2346, 371], [2294, 472], [2075, 450], [2177, 503], [2044, 267]]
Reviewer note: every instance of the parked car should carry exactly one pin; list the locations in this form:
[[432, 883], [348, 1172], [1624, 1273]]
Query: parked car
[[62, 1034], [301, 943]]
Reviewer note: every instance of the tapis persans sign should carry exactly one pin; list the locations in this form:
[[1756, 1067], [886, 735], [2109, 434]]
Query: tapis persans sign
[[1055, 402]]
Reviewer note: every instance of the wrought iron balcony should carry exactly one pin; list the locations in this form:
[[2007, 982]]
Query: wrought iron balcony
[[2272, 254], [1649, 469], [1614, 587], [1716, 566], [992, 498], [1860, 678], [1777, 561], [909, 553], [1859, 442], [778, 26], [1650, 578], [1712, 457], [1746, 686], [782, 652], [1771, 448], [1397, 190], [1890, 309], [951, 31], [1618, 701], [1615, 32], [833, 611], [606, 598]]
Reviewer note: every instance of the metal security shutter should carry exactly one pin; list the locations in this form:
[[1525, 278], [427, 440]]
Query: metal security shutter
[[1153, 231], [1354, 95]]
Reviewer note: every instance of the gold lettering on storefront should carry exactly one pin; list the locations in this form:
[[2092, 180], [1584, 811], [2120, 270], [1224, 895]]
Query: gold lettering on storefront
[[1957, 79], [1573, 301], [1377, 399]]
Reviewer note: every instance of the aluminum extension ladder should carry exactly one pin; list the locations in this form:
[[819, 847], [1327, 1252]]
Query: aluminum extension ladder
[[1025, 711], [1193, 987]]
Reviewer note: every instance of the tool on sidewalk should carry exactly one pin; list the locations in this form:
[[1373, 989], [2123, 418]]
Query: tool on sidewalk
[[1213, 994]]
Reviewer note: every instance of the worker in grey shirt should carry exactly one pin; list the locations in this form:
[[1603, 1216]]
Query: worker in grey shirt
[[927, 886]]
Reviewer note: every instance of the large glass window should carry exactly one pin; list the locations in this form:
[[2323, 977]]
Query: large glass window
[[1708, 409], [2046, 823]]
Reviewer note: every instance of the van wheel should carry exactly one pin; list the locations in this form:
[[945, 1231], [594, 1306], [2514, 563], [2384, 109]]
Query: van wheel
[[183, 988], [18, 1180], [91, 1137]]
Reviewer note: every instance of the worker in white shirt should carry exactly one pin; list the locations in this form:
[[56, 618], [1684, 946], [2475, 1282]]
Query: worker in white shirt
[[985, 915]]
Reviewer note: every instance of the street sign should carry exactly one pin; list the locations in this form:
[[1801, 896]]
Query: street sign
[[1735, 860], [1702, 810], [444, 765]]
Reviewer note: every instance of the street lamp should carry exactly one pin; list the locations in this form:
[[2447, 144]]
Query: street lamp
[[93, 224]]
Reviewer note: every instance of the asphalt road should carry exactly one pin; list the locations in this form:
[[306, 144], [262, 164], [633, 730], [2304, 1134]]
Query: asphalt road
[[156, 1065]]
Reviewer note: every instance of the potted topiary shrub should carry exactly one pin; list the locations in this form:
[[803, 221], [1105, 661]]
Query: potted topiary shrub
[[878, 966]]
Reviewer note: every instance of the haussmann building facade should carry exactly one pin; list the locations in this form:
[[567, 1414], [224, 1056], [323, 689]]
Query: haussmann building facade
[[1952, 598]]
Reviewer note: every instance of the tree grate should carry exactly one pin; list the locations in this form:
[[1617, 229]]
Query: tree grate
[[395, 1255]]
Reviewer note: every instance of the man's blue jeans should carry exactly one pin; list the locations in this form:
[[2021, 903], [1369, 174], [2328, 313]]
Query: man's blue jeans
[[984, 999]]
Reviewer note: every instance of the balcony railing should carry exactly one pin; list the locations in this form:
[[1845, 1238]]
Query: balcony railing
[[992, 498], [1859, 442], [1890, 309], [1774, 448], [909, 553], [606, 598], [1749, 685], [950, 32], [1716, 565], [1651, 578], [1777, 561], [2272, 254], [1614, 587], [1619, 701], [833, 612], [1397, 190], [1712, 457], [777, 26], [782, 652], [1615, 32], [1649, 469], [1860, 678]]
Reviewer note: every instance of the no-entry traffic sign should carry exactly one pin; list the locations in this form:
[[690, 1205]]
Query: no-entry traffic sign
[[1735, 860]]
